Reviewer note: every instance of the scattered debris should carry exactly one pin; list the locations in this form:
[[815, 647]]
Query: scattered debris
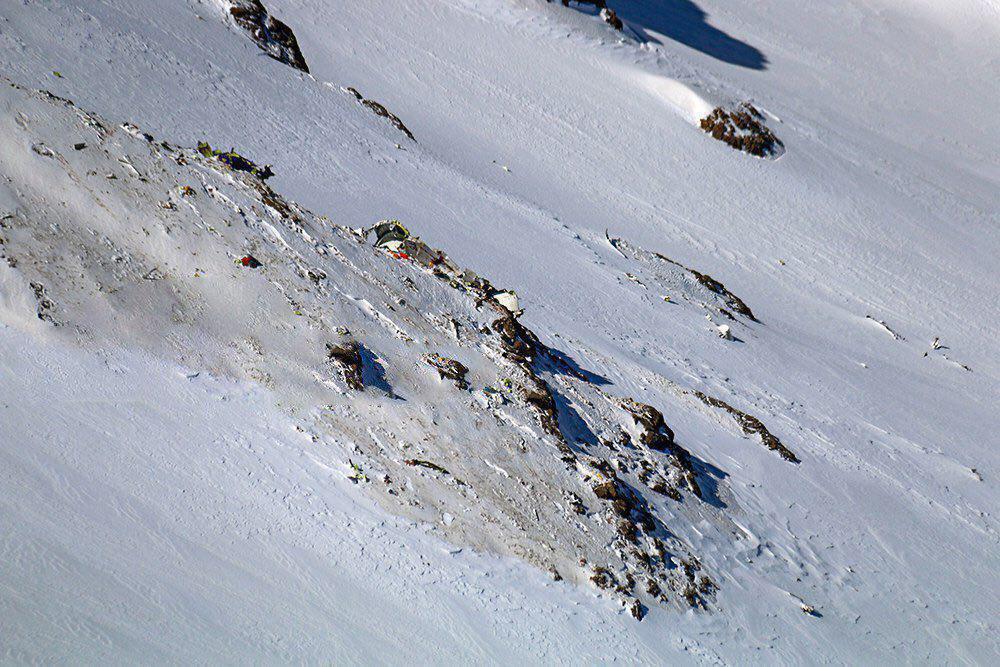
[[249, 261], [539, 394], [235, 161], [886, 327], [805, 607], [449, 369], [936, 346], [389, 234], [357, 474], [394, 237]]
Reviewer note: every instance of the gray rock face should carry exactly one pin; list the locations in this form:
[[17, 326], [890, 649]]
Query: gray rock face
[[274, 37]]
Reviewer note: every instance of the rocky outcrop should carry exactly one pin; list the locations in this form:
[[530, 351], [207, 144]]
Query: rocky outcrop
[[751, 426], [609, 16], [449, 369], [742, 128], [347, 357], [380, 110], [729, 303], [535, 459], [659, 437], [519, 344], [274, 38]]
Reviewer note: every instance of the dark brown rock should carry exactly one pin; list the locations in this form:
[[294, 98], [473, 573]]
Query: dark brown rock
[[743, 129], [751, 426], [541, 399], [347, 356], [274, 38], [610, 17], [519, 344], [449, 369], [380, 110], [606, 490]]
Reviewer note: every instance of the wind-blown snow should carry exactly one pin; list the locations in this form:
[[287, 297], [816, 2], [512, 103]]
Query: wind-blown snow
[[537, 128]]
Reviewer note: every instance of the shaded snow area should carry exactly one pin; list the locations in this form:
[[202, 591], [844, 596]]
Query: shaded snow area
[[747, 415]]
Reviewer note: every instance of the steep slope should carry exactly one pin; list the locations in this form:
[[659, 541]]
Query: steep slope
[[152, 516], [537, 129], [449, 406]]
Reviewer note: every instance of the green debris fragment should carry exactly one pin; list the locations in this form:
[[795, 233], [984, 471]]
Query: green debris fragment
[[357, 474], [235, 161]]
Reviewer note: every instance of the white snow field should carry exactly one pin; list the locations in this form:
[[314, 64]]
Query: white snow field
[[177, 447]]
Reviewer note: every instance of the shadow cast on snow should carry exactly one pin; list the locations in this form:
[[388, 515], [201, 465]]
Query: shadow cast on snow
[[373, 373], [580, 437], [578, 434], [685, 22], [709, 477], [559, 362]]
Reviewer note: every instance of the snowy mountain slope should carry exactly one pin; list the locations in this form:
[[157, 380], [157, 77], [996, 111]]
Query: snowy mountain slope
[[104, 241], [144, 247], [884, 205], [189, 522]]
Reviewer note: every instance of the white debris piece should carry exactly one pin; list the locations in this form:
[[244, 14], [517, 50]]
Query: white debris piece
[[508, 300]]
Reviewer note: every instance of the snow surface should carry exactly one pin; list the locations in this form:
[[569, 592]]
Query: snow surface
[[160, 517], [536, 128]]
